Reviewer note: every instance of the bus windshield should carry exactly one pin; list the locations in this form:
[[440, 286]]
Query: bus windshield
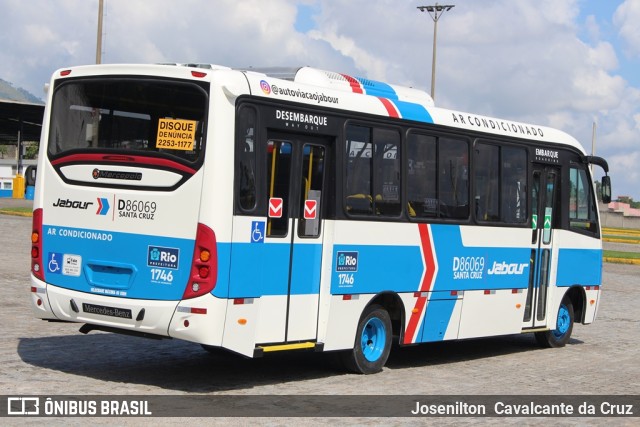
[[125, 114]]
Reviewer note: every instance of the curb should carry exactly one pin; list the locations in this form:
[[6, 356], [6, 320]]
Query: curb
[[613, 240], [632, 261], [13, 213]]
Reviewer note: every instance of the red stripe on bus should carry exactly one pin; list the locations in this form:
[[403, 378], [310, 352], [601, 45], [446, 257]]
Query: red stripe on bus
[[113, 158], [391, 109], [356, 87], [427, 281]]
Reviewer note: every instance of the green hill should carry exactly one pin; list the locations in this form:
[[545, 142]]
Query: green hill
[[11, 93]]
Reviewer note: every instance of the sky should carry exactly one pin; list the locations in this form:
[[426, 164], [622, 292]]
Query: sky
[[561, 63]]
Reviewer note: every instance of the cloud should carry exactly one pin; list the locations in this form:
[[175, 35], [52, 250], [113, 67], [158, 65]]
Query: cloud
[[365, 62], [626, 18]]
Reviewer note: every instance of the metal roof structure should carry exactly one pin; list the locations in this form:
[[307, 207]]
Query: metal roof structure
[[22, 117]]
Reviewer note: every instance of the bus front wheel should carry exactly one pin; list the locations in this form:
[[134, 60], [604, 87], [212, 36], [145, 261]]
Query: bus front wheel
[[559, 336], [372, 344]]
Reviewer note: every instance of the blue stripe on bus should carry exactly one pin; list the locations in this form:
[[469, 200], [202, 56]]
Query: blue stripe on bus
[[378, 268], [101, 268], [411, 111], [375, 88], [408, 110], [257, 270], [476, 268], [579, 267], [436, 320], [253, 270], [305, 274], [460, 268]]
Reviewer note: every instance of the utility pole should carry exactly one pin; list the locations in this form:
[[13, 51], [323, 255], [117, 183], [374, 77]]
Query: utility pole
[[435, 12], [99, 43]]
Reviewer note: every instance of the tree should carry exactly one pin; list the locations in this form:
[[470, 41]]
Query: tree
[[31, 151], [598, 191], [3, 150], [625, 199]]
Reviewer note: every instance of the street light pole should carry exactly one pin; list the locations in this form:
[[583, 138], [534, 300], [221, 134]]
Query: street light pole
[[99, 40], [435, 12]]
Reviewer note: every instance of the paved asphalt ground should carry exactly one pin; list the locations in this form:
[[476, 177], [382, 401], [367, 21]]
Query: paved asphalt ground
[[8, 203]]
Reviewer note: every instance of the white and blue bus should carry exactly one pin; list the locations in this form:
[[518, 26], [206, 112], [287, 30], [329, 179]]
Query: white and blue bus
[[271, 210]]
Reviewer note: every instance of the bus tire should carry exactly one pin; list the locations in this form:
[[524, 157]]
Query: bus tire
[[559, 336], [372, 344]]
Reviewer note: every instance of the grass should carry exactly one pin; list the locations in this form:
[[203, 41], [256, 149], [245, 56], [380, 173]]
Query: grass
[[621, 255], [17, 211]]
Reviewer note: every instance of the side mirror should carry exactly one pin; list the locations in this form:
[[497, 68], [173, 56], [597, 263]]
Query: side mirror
[[606, 189]]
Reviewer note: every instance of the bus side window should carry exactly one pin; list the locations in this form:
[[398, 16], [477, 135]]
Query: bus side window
[[421, 176], [582, 208], [500, 183], [246, 154], [386, 177], [487, 161], [373, 171], [513, 201], [358, 179], [453, 179]]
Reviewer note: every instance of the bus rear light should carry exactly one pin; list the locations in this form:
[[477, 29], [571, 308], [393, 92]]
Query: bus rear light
[[36, 245], [113, 158], [203, 272], [204, 268], [198, 74], [64, 73]]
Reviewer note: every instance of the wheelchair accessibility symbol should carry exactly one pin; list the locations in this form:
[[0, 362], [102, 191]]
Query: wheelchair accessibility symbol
[[257, 231], [54, 264]]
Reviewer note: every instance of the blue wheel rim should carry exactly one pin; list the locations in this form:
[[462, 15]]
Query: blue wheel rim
[[373, 339], [563, 323]]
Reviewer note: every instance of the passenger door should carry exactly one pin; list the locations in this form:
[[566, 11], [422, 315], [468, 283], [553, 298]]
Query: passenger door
[[543, 219], [296, 174]]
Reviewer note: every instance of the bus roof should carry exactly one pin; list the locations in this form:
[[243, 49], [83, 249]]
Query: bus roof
[[318, 87]]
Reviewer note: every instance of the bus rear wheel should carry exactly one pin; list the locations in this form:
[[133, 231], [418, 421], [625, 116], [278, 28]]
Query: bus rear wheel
[[372, 344], [559, 336]]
